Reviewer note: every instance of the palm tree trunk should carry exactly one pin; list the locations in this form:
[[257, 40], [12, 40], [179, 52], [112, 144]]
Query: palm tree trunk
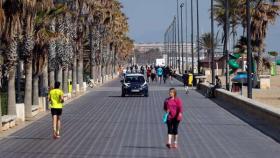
[[93, 72], [51, 79], [234, 36], [65, 80], [0, 109], [12, 92], [260, 63], [99, 73], [45, 81], [36, 90], [59, 75], [80, 70], [74, 74], [28, 90]]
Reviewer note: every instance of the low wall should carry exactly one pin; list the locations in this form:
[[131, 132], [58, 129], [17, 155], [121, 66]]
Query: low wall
[[178, 77], [262, 111]]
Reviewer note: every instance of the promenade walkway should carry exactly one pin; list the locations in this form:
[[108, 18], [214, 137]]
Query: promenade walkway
[[103, 124]]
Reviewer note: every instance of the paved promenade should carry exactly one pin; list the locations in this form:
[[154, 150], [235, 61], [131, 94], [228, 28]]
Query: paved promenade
[[102, 124]]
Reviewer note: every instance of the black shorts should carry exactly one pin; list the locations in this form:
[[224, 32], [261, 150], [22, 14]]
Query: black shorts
[[57, 112]]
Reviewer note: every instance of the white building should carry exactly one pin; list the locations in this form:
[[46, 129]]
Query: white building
[[187, 50]]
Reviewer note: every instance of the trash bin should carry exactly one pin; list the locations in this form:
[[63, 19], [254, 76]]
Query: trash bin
[[190, 80], [236, 87]]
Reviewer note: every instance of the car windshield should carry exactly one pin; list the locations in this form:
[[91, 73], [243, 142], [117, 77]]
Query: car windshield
[[134, 79]]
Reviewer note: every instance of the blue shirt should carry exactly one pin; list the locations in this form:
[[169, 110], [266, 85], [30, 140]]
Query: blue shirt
[[159, 71]]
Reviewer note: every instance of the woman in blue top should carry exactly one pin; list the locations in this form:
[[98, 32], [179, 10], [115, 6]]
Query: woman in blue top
[[160, 73]]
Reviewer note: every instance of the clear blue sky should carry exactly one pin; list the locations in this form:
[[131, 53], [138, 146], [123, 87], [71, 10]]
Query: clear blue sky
[[148, 20]]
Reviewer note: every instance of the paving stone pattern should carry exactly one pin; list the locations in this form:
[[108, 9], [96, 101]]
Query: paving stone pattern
[[103, 124]]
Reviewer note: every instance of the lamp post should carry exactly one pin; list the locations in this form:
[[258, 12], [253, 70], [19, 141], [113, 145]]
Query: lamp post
[[178, 37], [212, 41], [249, 50], [198, 34], [192, 37], [226, 43], [173, 42], [182, 37], [186, 10]]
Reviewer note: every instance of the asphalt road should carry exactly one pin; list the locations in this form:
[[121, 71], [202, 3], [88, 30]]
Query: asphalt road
[[103, 124]]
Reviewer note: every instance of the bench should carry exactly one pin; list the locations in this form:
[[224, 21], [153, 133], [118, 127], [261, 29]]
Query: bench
[[8, 121]]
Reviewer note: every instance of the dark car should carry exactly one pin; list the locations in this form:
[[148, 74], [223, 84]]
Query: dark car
[[134, 84]]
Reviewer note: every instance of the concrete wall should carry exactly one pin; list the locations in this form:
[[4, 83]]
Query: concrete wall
[[262, 111]]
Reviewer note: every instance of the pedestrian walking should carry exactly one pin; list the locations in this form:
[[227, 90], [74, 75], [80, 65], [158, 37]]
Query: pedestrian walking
[[159, 74], [173, 106], [166, 73], [185, 78], [153, 75], [56, 104], [149, 72]]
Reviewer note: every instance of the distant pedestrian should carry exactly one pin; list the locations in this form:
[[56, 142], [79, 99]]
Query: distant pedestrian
[[173, 106], [186, 81], [160, 74], [149, 72], [56, 104], [166, 73], [153, 75]]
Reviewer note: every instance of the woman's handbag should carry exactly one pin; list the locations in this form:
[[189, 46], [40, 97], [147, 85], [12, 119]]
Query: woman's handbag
[[165, 117]]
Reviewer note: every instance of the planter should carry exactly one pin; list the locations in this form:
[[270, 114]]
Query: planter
[[264, 81], [20, 112]]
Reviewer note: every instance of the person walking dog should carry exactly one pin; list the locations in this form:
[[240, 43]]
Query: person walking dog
[[174, 108]]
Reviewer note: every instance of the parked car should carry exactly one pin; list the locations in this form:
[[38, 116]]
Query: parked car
[[134, 84]]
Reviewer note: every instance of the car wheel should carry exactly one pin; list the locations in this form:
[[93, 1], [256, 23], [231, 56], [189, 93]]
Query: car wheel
[[146, 95]]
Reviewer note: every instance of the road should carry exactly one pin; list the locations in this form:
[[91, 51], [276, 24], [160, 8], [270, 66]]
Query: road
[[103, 124]]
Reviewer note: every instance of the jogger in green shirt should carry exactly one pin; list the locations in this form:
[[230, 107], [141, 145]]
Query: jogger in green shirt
[[56, 104]]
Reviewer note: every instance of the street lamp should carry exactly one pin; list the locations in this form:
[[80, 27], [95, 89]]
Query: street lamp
[[212, 42], [186, 9], [226, 43], [192, 36], [174, 43], [178, 37], [182, 37], [198, 45], [249, 50]]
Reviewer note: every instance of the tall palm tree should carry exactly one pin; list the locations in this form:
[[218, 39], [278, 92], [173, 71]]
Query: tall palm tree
[[12, 28], [264, 14], [29, 13], [2, 24], [234, 14], [206, 44]]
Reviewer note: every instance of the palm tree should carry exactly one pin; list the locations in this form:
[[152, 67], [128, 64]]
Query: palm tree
[[264, 14], [234, 15], [10, 41], [2, 23], [29, 13], [206, 44]]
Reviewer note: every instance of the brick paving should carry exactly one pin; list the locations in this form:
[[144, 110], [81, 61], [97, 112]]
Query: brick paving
[[103, 124]]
